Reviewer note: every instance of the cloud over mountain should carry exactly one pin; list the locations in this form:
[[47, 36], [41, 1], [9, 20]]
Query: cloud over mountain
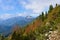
[[11, 8]]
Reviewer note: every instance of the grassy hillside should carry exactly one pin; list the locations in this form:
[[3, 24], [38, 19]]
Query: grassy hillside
[[42, 28], [53, 16]]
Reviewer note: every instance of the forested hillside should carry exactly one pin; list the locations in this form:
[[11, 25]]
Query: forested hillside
[[44, 27]]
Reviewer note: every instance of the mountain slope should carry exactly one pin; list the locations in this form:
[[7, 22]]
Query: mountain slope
[[50, 26], [44, 27], [52, 16], [6, 26]]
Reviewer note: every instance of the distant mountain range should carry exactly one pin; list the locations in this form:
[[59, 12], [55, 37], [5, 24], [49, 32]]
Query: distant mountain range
[[7, 25]]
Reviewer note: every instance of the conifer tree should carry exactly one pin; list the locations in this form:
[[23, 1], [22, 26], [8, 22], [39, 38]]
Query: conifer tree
[[56, 4], [50, 8], [46, 14], [42, 16]]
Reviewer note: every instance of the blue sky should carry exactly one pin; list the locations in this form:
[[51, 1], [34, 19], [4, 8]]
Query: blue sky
[[13, 8]]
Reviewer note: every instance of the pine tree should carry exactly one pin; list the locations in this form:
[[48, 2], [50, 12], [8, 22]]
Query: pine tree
[[50, 8], [42, 16], [46, 14], [56, 4]]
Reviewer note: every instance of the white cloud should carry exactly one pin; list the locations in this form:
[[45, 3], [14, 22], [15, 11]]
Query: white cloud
[[26, 14], [5, 16], [38, 5], [22, 14], [34, 15]]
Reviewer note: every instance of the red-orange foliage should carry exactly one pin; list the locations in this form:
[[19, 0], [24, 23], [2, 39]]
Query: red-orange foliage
[[33, 26]]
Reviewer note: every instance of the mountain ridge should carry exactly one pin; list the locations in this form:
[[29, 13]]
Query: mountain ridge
[[11, 22]]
